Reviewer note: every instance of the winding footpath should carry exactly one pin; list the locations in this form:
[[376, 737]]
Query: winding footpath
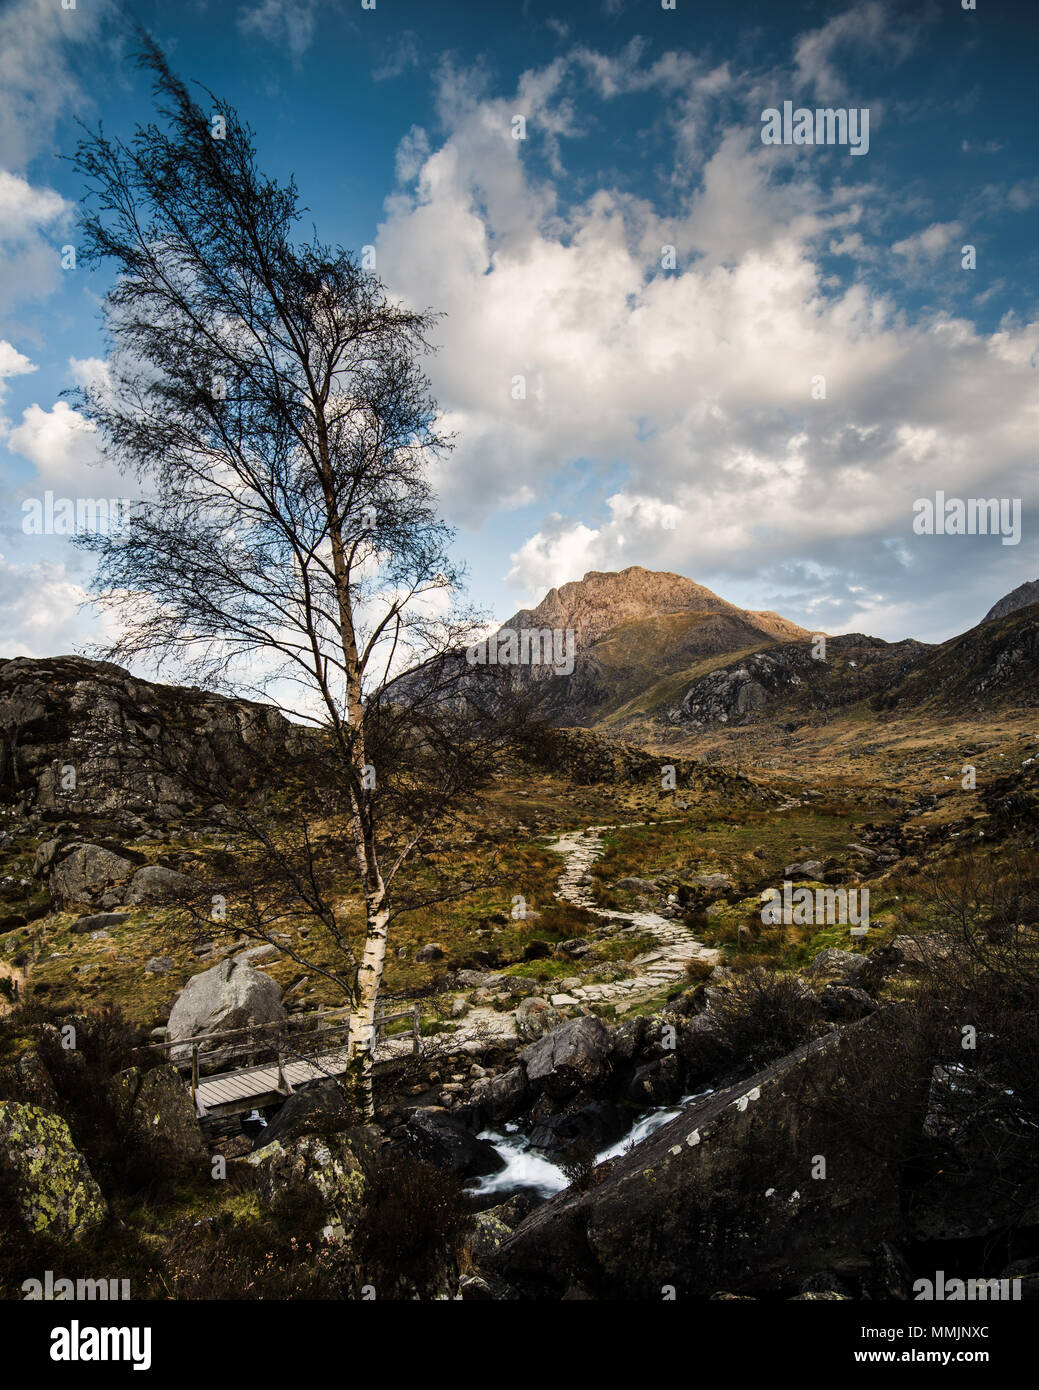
[[657, 969]]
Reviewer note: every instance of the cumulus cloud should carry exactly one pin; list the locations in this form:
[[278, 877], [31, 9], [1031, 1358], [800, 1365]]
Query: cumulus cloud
[[43, 611], [763, 410]]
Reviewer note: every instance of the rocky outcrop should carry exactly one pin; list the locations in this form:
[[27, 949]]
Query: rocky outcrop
[[230, 995], [328, 1171], [80, 872], [789, 678], [49, 1187], [1022, 597], [87, 737]]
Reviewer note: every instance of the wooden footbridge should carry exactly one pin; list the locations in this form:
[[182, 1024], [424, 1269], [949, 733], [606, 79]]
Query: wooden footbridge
[[264, 1064]]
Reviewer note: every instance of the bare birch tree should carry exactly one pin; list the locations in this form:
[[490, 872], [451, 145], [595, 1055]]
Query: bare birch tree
[[268, 394]]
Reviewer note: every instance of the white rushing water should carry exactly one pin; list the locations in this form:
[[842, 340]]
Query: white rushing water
[[527, 1170]]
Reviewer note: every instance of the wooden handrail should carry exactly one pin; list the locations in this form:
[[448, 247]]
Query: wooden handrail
[[251, 1032]]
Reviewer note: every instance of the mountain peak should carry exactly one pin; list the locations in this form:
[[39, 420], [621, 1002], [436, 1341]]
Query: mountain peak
[[1022, 597]]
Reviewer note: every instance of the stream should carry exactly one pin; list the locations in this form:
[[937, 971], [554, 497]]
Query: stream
[[526, 1170]]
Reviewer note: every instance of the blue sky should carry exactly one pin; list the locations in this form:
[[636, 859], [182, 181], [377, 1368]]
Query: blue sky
[[669, 418]]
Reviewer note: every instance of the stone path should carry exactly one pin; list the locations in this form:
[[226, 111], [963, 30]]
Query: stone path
[[656, 969]]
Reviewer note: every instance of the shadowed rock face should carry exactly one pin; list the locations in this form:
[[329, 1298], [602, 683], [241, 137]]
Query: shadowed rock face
[[133, 745], [724, 1196]]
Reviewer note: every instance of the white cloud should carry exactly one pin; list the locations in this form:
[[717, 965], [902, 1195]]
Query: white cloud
[[699, 380], [62, 446], [32, 222], [39, 47], [43, 613]]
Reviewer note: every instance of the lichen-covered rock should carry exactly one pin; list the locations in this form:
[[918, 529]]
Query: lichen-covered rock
[[155, 884], [328, 1167], [52, 1190], [488, 1235]]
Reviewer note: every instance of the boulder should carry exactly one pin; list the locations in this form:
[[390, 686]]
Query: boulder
[[321, 1108], [534, 1018], [158, 965], [572, 1056], [433, 1136], [582, 1128], [488, 1235], [497, 1098], [843, 1003], [49, 1185], [910, 955], [230, 995], [429, 952], [255, 954], [844, 967], [325, 1168], [98, 921], [636, 885], [573, 949], [86, 871], [811, 868], [155, 884], [160, 1106]]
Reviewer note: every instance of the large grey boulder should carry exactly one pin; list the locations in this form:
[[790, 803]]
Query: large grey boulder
[[155, 884], [568, 1058], [230, 995], [85, 871]]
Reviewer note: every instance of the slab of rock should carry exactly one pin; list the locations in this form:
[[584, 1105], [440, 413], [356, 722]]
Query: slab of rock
[[159, 965], [230, 995], [51, 1188], [161, 1107], [811, 868], [572, 1056], [722, 1197], [97, 921]]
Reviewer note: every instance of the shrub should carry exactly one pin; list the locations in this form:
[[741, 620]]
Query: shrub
[[414, 1224]]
